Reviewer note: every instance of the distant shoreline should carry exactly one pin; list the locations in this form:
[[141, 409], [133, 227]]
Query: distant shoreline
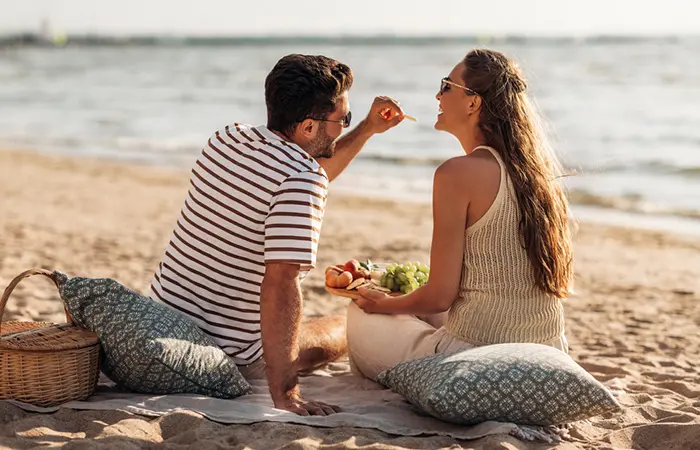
[[86, 39]]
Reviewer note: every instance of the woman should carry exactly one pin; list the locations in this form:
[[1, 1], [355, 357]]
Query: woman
[[501, 254]]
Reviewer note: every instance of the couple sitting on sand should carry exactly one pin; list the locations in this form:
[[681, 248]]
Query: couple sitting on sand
[[501, 254]]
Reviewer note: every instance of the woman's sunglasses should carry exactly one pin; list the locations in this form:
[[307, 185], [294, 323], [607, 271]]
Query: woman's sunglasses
[[345, 121], [445, 84]]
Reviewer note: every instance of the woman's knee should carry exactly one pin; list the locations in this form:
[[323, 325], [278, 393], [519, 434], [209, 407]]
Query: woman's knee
[[356, 324]]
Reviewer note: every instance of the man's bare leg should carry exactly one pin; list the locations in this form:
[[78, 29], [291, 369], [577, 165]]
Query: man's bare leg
[[321, 340]]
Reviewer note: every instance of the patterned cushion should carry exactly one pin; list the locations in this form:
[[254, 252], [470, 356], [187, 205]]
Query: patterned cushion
[[528, 384], [147, 346]]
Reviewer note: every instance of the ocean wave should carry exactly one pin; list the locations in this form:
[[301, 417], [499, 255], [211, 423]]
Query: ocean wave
[[406, 160], [158, 147], [644, 167], [650, 167], [628, 203]]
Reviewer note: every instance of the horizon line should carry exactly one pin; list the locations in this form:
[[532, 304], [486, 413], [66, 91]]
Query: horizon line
[[348, 35]]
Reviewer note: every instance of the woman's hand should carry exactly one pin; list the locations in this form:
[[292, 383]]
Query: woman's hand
[[371, 301]]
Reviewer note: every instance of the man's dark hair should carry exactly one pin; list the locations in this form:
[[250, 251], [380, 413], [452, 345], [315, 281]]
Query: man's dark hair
[[301, 87]]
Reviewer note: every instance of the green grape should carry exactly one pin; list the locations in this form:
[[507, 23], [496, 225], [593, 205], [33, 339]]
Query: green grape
[[405, 277]]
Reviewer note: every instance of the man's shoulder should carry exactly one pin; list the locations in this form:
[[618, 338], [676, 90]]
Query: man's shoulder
[[316, 177], [235, 130], [284, 159]]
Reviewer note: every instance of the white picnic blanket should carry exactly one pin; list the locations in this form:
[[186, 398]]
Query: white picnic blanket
[[365, 404]]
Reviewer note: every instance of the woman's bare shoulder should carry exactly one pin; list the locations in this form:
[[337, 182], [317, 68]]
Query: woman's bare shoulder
[[468, 169]]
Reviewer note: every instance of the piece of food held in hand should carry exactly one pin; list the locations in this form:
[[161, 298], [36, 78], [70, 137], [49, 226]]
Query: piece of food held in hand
[[395, 278]]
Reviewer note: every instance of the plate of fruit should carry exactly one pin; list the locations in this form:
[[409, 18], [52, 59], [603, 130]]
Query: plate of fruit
[[391, 278]]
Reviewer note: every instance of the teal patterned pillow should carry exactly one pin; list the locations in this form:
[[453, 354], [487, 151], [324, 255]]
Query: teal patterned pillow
[[528, 384], [147, 346]]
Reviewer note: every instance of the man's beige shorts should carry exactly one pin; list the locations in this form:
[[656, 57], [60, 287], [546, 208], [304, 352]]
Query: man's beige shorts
[[254, 370]]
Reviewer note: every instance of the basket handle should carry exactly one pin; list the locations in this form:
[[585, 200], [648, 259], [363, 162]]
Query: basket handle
[[28, 273]]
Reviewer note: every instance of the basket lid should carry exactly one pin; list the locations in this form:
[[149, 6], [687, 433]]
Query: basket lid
[[49, 338]]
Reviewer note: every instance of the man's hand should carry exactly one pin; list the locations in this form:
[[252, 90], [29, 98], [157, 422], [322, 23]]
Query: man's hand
[[294, 403], [385, 113]]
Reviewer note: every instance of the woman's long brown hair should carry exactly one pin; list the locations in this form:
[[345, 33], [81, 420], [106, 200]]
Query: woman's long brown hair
[[511, 125]]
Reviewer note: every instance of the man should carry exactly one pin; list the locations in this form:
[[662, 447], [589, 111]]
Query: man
[[249, 229]]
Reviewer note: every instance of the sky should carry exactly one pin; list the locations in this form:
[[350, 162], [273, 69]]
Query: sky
[[407, 17]]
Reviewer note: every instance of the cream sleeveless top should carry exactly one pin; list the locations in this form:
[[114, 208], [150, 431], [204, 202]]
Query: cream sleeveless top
[[498, 300]]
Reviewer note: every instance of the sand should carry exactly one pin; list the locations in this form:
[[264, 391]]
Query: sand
[[635, 318]]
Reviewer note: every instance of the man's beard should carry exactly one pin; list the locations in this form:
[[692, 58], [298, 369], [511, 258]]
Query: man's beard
[[322, 145]]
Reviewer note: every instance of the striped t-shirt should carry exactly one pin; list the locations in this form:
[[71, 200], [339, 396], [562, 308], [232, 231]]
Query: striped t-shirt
[[253, 199]]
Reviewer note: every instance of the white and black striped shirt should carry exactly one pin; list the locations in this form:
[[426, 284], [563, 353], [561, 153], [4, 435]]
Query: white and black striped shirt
[[253, 198]]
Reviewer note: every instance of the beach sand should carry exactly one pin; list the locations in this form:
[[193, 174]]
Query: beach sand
[[635, 316]]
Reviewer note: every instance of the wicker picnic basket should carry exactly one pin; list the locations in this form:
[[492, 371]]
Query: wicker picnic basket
[[43, 363]]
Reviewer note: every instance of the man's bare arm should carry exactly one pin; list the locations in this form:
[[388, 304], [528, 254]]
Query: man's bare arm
[[280, 317], [385, 113], [346, 148]]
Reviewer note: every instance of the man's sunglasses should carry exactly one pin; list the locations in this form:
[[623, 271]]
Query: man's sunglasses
[[446, 83], [345, 121]]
